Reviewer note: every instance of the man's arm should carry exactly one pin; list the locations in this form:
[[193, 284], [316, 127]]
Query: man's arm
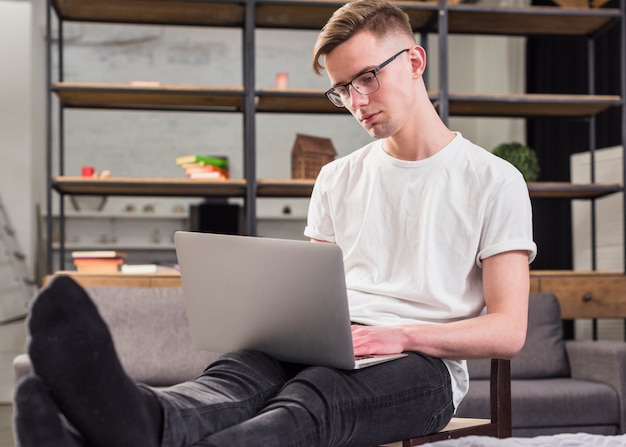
[[500, 332]]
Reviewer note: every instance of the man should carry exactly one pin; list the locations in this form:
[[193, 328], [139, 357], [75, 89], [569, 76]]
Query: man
[[433, 230]]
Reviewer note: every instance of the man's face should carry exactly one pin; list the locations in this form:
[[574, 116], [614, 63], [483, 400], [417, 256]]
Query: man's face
[[380, 113]]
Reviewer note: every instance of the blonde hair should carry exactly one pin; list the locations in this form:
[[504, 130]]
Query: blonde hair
[[380, 17]]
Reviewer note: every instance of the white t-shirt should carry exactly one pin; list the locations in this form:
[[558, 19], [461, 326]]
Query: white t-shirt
[[414, 233]]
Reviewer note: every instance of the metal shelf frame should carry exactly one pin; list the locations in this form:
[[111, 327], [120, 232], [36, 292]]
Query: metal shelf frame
[[429, 17]]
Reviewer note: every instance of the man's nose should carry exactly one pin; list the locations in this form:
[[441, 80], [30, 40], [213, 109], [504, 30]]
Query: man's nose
[[357, 98]]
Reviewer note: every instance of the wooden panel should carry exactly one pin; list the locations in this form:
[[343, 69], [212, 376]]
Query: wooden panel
[[534, 285], [587, 294], [165, 279]]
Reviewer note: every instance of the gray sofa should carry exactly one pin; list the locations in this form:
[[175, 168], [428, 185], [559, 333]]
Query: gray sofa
[[557, 386]]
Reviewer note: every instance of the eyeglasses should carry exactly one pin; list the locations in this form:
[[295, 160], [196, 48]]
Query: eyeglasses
[[366, 83]]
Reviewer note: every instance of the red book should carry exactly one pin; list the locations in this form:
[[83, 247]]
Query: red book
[[98, 265]]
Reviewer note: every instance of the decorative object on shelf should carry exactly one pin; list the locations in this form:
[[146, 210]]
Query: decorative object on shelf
[[309, 154], [88, 203], [522, 157], [147, 268], [200, 166], [88, 171], [282, 80]]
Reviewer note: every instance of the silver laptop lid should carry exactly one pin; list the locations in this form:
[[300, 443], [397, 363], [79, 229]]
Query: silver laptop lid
[[283, 297]]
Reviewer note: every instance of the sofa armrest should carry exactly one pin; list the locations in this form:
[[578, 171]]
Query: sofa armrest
[[601, 361], [21, 367]]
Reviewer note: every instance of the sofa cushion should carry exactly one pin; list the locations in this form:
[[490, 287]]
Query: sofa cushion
[[562, 402], [151, 333], [543, 354]]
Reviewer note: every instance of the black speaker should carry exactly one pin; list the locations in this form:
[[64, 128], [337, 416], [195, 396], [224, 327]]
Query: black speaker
[[215, 217]]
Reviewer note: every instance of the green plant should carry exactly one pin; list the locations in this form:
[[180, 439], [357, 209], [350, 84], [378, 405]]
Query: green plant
[[522, 157]]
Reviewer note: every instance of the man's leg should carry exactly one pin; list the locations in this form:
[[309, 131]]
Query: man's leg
[[37, 423], [72, 352], [320, 406], [232, 389]]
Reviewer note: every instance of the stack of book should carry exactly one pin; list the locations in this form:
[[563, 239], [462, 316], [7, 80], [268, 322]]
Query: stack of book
[[201, 166], [99, 261]]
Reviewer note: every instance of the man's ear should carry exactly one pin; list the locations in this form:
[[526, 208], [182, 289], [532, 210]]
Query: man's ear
[[417, 55]]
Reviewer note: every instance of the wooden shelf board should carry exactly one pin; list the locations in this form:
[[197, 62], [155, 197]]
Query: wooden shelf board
[[285, 188], [559, 190], [575, 273], [500, 105], [93, 95], [463, 19], [531, 105], [159, 279], [536, 20], [270, 188], [313, 14], [295, 101], [269, 100], [174, 12], [120, 186]]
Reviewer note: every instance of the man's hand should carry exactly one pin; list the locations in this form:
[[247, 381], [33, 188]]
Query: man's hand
[[377, 340]]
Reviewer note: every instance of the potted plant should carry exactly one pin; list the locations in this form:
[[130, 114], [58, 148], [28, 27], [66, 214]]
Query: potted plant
[[522, 157]]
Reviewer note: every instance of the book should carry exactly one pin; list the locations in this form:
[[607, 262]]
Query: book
[[221, 173], [98, 265], [219, 162], [145, 268], [91, 254], [209, 175]]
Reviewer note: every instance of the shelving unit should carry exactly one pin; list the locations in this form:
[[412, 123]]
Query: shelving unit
[[248, 15]]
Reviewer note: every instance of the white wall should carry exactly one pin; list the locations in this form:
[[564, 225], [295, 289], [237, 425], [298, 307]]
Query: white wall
[[483, 65], [22, 133], [22, 121]]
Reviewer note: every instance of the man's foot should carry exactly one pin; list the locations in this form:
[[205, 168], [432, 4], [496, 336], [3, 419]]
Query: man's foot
[[72, 352], [37, 423]]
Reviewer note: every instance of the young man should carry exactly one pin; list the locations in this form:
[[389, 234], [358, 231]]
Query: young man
[[433, 229]]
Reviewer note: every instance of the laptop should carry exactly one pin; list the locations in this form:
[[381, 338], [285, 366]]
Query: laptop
[[283, 297]]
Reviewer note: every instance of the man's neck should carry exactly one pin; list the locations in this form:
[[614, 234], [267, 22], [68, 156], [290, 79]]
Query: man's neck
[[417, 144]]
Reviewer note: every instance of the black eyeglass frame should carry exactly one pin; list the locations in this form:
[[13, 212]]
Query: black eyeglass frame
[[373, 72]]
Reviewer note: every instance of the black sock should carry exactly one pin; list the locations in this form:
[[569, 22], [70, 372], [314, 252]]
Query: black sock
[[37, 423], [72, 352]]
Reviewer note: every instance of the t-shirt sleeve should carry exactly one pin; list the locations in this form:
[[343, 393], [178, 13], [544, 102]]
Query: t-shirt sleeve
[[319, 220], [507, 225]]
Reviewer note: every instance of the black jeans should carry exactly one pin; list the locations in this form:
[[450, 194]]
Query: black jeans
[[249, 399]]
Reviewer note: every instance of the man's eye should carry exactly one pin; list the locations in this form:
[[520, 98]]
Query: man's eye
[[366, 79]]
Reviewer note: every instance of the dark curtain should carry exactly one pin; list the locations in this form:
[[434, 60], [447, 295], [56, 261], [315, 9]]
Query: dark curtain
[[559, 65]]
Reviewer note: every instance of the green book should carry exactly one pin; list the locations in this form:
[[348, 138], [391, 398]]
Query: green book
[[220, 162]]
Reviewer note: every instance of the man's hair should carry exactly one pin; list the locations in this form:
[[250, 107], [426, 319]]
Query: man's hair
[[379, 17]]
